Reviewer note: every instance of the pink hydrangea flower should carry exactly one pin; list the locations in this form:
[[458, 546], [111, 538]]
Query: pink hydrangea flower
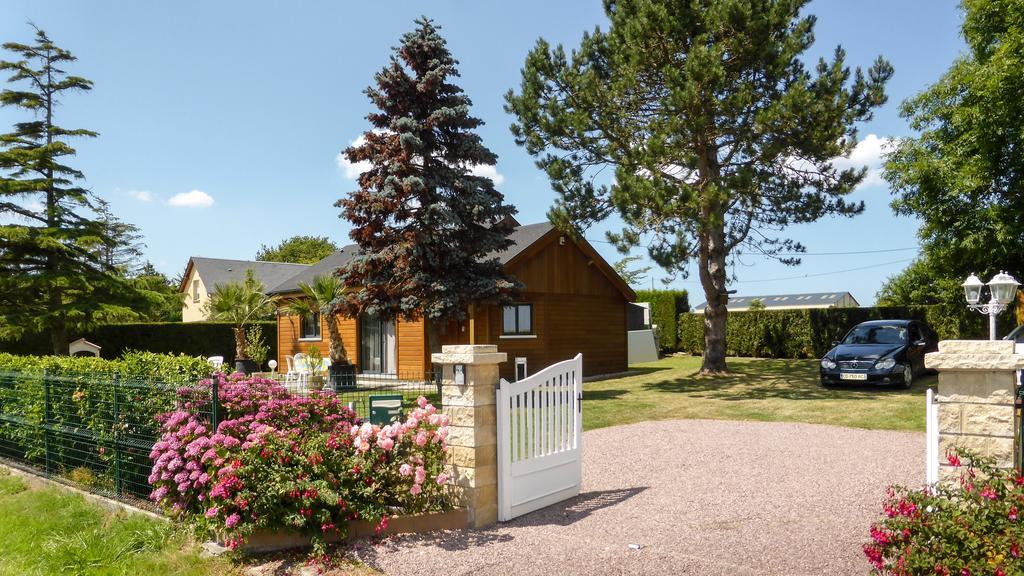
[[232, 520], [405, 469], [212, 512], [442, 478], [415, 490], [421, 475], [421, 438], [421, 401]]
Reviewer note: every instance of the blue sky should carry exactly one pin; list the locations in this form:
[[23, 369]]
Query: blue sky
[[221, 122]]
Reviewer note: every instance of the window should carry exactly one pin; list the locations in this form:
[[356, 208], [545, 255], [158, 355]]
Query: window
[[310, 329], [517, 319], [195, 291]]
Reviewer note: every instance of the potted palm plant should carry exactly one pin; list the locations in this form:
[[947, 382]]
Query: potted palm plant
[[321, 296], [240, 303]]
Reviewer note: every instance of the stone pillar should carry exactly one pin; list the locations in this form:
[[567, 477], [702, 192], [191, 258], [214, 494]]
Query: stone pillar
[[977, 380], [472, 437]]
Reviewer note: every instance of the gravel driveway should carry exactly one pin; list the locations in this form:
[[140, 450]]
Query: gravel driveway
[[699, 497]]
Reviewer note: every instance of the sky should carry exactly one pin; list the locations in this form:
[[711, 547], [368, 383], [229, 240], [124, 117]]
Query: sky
[[221, 122]]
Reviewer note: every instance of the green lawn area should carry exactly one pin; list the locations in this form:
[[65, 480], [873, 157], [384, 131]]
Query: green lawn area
[[758, 389], [50, 531]]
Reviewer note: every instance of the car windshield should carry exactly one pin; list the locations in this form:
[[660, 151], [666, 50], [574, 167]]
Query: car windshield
[[876, 335]]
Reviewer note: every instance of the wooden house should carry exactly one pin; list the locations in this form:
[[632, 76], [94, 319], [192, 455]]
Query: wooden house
[[573, 302]]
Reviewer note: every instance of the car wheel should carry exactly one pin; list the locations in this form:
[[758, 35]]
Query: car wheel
[[826, 383], [908, 376]]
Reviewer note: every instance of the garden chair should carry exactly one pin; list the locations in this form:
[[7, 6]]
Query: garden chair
[[216, 361], [299, 373]]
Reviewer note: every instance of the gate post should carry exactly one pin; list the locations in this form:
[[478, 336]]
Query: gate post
[[977, 384], [472, 435]]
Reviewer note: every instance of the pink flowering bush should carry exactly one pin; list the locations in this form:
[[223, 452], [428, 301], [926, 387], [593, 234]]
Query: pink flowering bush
[[279, 461], [967, 527]]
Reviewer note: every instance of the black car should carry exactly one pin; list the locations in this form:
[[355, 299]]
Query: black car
[[879, 352]]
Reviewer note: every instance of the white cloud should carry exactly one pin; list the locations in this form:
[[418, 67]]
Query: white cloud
[[192, 199], [141, 195], [352, 170], [868, 152]]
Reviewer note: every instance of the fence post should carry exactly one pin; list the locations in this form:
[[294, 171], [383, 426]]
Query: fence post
[[46, 419], [117, 440], [471, 406], [214, 402], [977, 381]]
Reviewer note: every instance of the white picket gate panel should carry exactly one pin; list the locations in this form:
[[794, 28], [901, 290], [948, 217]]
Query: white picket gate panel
[[540, 433]]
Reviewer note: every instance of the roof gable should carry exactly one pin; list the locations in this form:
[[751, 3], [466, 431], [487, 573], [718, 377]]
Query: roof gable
[[525, 240]]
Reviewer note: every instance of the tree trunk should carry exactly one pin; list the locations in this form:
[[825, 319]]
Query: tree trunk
[[336, 348], [712, 255], [240, 353], [58, 331]]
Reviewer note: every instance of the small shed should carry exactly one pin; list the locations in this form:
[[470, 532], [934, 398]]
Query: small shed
[[83, 347]]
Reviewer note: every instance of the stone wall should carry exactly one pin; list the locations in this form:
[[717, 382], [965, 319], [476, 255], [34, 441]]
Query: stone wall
[[977, 384]]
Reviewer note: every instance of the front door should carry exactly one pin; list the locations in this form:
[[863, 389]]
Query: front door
[[376, 345]]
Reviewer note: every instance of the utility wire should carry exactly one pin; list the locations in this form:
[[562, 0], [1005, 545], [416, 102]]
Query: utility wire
[[817, 274], [813, 253]]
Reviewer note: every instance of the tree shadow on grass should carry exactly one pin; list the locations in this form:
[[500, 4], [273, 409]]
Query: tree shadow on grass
[[612, 394], [784, 379]]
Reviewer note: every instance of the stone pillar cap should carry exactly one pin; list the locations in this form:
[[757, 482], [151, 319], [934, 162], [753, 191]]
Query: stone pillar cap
[[961, 355], [471, 354]]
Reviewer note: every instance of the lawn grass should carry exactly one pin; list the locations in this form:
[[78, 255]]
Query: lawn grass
[[757, 389], [46, 531]]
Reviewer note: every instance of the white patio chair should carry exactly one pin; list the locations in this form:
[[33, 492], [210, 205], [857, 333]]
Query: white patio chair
[[299, 374], [216, 361]]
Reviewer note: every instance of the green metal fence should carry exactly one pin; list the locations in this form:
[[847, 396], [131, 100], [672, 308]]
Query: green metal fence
[[97, 430], [92, 430]]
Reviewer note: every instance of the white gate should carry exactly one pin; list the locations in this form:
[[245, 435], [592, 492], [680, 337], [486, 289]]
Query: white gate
[[540, 430]]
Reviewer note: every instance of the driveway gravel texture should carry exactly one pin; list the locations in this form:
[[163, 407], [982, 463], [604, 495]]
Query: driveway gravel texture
[[698, 497]]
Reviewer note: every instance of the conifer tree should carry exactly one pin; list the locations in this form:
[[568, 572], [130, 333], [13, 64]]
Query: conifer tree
[[53, 276], [428, 230], [719, 135]]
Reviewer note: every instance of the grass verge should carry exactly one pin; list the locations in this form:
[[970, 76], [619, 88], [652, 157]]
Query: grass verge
[[48, 531], [757, 389]]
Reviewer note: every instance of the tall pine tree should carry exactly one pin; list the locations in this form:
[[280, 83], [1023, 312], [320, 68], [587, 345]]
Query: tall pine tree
[[53, 273], [428, 229], [719, 134]]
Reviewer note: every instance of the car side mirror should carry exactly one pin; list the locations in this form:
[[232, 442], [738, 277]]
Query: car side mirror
[[835, 343]]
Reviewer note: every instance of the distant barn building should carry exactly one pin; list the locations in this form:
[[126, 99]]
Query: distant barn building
[[789, 301]]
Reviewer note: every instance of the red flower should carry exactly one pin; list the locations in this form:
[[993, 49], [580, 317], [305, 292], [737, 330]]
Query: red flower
[[1014, 550], [953, 460], [1013, 513]]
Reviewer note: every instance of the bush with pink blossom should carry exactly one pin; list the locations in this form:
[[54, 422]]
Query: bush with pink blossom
[[304, 463], [969, 526]]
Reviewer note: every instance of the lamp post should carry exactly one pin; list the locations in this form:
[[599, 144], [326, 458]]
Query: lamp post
[[1002, 288]]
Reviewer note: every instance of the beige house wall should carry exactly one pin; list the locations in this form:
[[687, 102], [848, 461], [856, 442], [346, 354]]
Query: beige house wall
[[192, 306]]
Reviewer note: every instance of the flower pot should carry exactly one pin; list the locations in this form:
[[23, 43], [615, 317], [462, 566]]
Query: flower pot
[[245, 366], [343, 376]]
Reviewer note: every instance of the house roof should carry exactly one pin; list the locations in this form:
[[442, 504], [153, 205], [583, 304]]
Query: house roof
[[522, 236], [216, 271], [816, 299]]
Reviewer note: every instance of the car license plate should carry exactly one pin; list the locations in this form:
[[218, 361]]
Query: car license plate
[[848, 376]]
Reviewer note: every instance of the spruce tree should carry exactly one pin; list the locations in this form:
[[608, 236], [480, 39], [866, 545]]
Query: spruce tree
[[53, 276], [428, 230], [719, 135]]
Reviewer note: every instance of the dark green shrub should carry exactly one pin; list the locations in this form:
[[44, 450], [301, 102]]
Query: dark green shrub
[[189, 338], [666, 306], [809, 333]]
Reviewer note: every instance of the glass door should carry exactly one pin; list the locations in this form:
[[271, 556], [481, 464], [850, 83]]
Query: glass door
[[376, 345]]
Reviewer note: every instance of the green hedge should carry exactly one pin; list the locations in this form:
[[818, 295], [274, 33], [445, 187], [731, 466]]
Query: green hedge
[[189, 338], [809, 333], [666, 306], [71, 417]]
